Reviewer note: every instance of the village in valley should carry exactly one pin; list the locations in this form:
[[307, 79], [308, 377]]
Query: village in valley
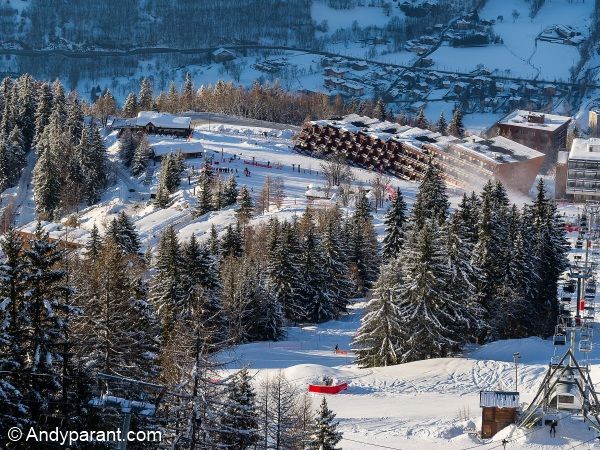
[[371, 225]]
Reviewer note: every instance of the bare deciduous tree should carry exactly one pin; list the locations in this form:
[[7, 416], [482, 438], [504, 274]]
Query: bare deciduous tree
[[337, 172]]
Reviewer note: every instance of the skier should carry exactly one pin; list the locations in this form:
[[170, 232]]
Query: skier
[[336, 349], [553, 428]]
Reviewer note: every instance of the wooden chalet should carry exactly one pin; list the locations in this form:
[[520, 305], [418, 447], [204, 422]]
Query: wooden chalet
[[151, 122]]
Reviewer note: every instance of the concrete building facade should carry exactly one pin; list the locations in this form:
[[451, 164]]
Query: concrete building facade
[[583, 171], [546, 133]]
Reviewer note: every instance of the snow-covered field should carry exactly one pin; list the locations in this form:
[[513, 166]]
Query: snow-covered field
[[521, 54]]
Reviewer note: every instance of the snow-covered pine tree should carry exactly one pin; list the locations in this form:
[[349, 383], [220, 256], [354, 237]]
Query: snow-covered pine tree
[[15, 152], [123, 232], [230, 191], [213, 245], [514, 298], [43, 111], [45, 318], [239, 419], [315, 292], [217, 198], [5, 173], [203, 195], [146, 96], [162, 197], [24, 109], [283, 269], [46, 176], [167, 293], [246, 206], [463, 276], [379, 111], [140, 157], [552, 248], [12, 352], [231, 244], [130, 107], [378, 339], [363, 254], [335, 265], [432, 319], [187, 93], [490, 255], [421, 120], [269, 312], [431, 202], [468, 215], [441, 125], [74, 119], [114, 334], [127, 146], [456, 127], [199, 269], [325, 435], [93, 244], [395, 220], [59, 101]]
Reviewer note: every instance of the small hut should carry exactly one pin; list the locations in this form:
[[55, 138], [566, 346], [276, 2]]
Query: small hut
[[499, 410]]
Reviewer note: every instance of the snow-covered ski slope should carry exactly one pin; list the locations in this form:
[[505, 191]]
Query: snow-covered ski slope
[[232, 147], [431, 404]]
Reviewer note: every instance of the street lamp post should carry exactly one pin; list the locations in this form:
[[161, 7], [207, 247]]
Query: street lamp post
[[516, 357]]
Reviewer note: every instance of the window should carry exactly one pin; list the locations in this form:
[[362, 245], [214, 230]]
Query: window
[[566, 399]]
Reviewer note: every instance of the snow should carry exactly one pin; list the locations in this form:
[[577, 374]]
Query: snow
[[521, 54], [163, 120], [431, 404]]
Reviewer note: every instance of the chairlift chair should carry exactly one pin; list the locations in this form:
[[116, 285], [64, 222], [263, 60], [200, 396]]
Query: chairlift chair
[[586, 333], [566, 299], [585, 346], [559, 339]]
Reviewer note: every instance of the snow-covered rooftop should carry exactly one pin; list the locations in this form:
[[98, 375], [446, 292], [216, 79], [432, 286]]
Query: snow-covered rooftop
[[500, 149], [165, 147], [588, 149], [162, 120], [497, 149], [522, 118]]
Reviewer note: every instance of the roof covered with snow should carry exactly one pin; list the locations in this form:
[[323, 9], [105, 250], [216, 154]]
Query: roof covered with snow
[[500, 149], [586, 149], [520, 118], [165, 147], [162, 120], [497, 149]]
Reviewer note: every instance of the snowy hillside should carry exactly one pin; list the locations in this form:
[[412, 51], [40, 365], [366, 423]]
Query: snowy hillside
[[247, 145]]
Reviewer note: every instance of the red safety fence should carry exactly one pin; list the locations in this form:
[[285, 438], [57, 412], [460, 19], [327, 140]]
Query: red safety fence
[[258, 164], [341, 352], [571, 228], [327, 389]]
